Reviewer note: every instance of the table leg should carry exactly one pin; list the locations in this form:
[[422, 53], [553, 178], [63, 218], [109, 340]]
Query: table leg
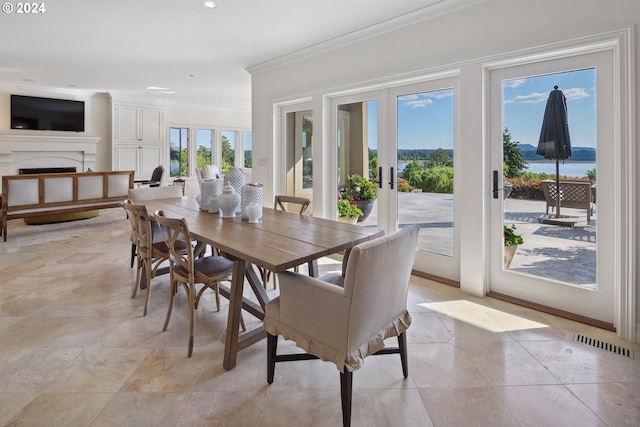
[[235, 311]]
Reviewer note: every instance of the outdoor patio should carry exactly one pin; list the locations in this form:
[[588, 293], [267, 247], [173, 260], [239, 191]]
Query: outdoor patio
[[556, 252]]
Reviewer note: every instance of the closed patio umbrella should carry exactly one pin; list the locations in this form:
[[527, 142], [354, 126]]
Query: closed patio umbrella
[[554, 142]]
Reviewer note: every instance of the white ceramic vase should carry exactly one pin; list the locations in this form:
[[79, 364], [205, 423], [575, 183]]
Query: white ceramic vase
[[229, 202], [208, 189], [216, 185], [236, 179], [254, 212], [251, 193]]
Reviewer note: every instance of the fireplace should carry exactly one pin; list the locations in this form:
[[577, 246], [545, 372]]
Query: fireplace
[[19, 151], [32, 171]]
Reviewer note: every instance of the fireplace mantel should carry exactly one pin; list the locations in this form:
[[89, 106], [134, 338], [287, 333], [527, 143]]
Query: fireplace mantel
[[25, 151]]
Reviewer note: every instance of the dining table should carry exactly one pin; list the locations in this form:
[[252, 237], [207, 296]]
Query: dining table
[[279, 241]]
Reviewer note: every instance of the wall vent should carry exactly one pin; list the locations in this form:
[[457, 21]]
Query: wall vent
[[604, 345]]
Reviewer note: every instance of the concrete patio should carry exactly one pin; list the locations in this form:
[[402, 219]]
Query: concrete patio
[[557, 252]]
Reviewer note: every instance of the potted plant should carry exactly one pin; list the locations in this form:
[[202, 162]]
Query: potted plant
[[348, 210], [363, 191], [511, 242]]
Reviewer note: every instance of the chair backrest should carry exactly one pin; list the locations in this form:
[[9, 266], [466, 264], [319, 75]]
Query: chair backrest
[[157, 175], [176, 236], [283, 202], [152, 193], [377, 281], [141, 226], [180, 182]]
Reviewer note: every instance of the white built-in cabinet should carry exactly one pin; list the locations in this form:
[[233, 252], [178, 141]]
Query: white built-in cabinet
[[138, 138]]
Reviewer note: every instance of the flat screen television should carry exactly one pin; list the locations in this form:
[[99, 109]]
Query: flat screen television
[[30, 112]]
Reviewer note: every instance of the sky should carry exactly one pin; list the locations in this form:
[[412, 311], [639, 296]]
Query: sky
[[426, 120]]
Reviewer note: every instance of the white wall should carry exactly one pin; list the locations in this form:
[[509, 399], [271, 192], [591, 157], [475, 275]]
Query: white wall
[[98, 117], [461, 40]]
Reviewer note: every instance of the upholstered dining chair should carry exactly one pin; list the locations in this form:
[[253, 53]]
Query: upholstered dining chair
[[150, 252], [347, 318], [287, 204], [155, 180], [143, 194], [187, 270]]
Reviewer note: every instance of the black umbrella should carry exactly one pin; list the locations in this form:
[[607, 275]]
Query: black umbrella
[[554, 142]]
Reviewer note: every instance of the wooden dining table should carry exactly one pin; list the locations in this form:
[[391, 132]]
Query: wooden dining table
[[279, 241]]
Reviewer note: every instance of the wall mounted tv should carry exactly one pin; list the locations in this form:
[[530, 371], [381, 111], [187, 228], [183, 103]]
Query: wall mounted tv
[[29, 112]]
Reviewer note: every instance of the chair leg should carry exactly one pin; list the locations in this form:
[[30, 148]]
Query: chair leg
[[147, 269], [172, 293], [346, 383], [136, 284], [192, 318], [272, 346], [402, 346], [133, 253]]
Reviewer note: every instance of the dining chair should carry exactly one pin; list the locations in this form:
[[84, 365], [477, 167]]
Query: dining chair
[[180, 182], [150, 252], [143, 194], [187, 270], [287, 204], [347, 318], [155, 180]]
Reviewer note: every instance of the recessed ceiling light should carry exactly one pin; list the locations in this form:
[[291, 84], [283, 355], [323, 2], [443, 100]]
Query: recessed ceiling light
[[210, 4], [157, 88]]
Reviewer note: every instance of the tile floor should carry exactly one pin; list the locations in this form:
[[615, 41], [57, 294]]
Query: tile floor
[[76, 351]]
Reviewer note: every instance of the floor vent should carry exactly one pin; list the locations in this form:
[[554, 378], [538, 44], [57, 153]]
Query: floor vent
[[604, 345]]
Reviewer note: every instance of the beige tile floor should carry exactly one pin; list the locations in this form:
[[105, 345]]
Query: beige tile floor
[[76, 351]]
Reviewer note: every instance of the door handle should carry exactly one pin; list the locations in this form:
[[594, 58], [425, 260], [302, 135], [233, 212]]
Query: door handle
[[380, 177], [495, 184], [391, 177]]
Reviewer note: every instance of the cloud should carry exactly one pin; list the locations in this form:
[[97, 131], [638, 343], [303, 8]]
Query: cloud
[[571, 94], [418, 103], [531, 98], [514, 82], [575, 93], [423, 99]]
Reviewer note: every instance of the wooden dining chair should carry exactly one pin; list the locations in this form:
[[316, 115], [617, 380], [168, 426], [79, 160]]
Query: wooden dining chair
[[287, 204], [344, 321], [138, 195], [188, 270], [150, 249], [180, 182]]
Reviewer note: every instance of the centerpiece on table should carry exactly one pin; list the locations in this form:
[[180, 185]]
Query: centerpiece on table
[[348, 211], [361, 190], [511, 242]]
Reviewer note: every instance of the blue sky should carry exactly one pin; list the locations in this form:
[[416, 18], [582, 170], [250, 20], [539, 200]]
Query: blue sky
[[426, 120], [524, 101]]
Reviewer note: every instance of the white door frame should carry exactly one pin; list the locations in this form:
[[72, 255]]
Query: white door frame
[[624, 185]]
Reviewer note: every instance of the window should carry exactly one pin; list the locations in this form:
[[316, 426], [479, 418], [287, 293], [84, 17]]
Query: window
[[178, 152], [236, 149], [204, 147]]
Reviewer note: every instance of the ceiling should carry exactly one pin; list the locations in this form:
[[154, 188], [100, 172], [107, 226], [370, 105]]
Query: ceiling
[[125, 47]]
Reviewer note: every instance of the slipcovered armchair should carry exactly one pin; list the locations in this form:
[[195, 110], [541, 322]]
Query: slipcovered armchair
[[344, 319]]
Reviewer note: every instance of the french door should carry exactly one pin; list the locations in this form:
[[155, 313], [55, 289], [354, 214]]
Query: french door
[[405, 138], [565, 262]]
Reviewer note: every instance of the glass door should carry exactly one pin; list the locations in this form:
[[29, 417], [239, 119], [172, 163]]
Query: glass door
[[551, 231], [423, 169], [403, 140], [303, 155]]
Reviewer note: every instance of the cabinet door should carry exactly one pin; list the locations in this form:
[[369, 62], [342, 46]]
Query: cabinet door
[[151, 125], [126, 157], [126, 123], [150, 158]]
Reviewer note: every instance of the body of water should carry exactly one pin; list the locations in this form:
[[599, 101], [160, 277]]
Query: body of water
[[568, 169]]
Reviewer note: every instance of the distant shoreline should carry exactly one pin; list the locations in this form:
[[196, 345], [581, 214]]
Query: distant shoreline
[[575, 162]]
